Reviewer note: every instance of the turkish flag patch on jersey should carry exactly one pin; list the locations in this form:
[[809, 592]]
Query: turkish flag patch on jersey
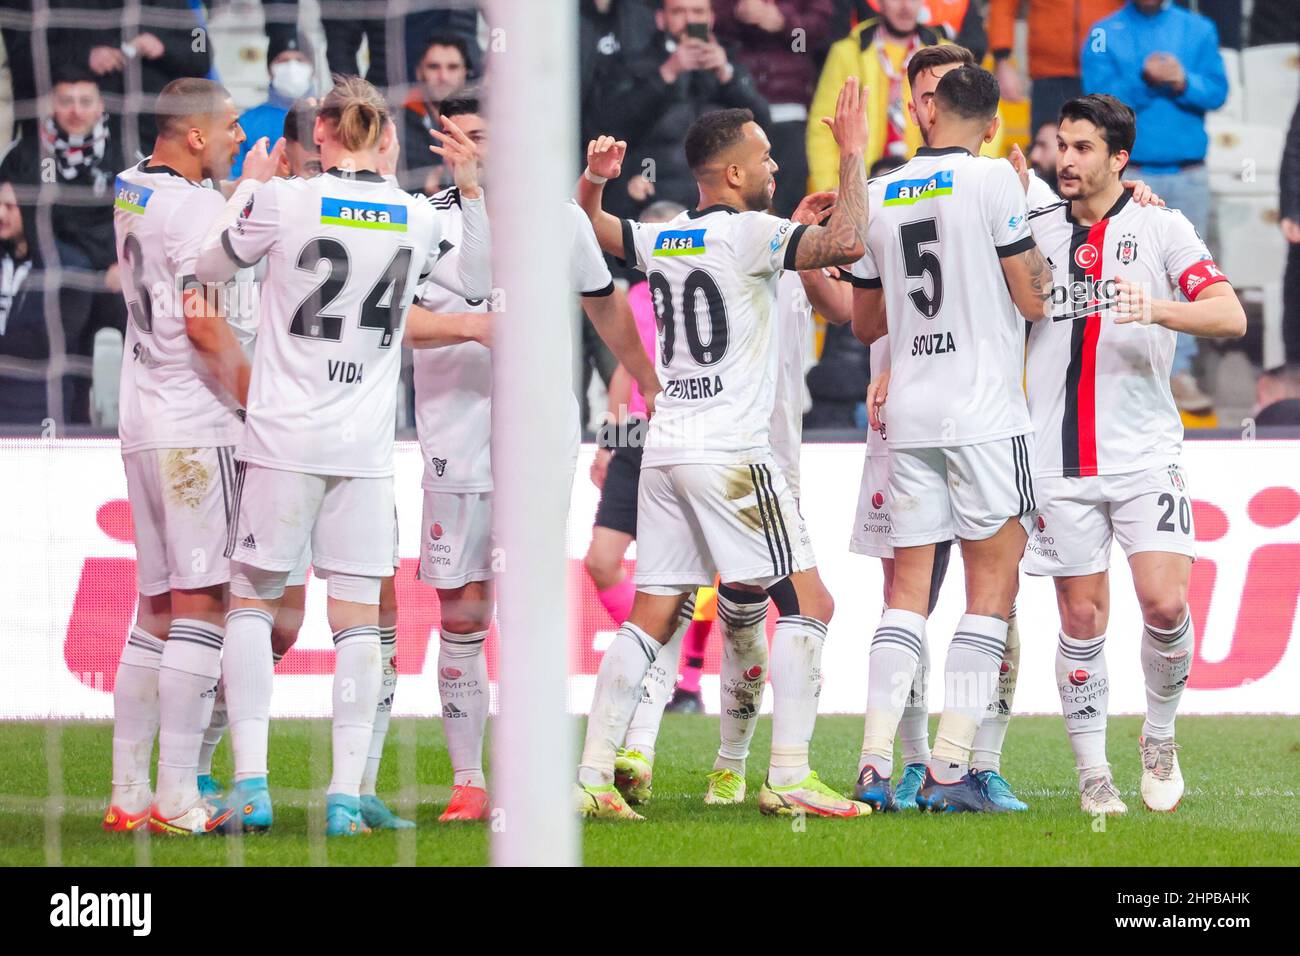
[[1198, 276]]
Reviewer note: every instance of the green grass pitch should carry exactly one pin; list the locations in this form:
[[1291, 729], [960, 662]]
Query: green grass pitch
[[1242, 805]]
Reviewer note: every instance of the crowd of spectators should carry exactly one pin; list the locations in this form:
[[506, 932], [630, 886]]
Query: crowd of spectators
[[83, 74]]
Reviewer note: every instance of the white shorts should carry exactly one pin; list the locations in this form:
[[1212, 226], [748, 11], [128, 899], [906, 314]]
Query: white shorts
[[456, 538], [298, 576], [348, 522], [1147, 510], [967, 491], [736, 521], [872, 528], [181, 501]]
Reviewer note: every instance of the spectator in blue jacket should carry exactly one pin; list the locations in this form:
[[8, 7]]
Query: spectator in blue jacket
[[1164, 62], [289, 61]]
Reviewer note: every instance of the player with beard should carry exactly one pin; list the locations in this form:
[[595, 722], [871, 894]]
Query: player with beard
[[1126, 278], [712, 499]]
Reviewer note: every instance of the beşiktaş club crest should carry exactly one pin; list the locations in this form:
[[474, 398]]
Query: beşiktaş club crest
[[1127, 250], [1176, 478]]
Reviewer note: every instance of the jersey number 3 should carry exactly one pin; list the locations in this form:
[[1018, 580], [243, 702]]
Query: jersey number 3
[[313, 319]]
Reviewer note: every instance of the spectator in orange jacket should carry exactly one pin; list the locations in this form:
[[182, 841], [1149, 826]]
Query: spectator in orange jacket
[[1057, 31]]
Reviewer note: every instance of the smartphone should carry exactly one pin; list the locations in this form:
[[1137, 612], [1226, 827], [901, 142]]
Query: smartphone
[[698, 31]]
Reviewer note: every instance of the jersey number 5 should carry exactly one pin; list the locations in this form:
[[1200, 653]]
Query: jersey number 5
[[918, 264], [313, 320]]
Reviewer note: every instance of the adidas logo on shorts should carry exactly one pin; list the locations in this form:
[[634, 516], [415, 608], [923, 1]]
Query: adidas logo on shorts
[[249, 543]]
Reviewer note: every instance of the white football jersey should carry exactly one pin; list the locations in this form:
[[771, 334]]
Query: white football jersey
[[345, 255], [713, 278], [453, 384], [1099, 392], [168, 398], [793, 317], [939, 225]]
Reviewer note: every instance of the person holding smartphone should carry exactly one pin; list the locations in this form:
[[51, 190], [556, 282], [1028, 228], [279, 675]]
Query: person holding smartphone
[[653, 96]]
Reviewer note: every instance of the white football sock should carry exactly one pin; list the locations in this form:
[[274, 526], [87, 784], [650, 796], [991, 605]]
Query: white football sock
[[463, 690], [657, 688], [358, 676], [384, 708], [1166, 663], [187, 686], [618, 691], [796, 685], [1084, 686], [986, 750], [891, 671], [248, 672], [215, 731], [135, 720], [743, 674], [914, 725], [970, 677]]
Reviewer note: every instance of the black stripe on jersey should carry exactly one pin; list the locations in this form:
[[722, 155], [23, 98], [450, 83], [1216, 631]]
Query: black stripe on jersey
[[779, 532], [792, 246], [601, 292], [1044, 210], [446, 199], [628, 259], [230, 251], [762, 514], [1017, 247], [860, 283], [1070, 418]]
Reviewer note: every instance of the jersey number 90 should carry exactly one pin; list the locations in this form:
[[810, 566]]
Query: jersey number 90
[[698, 283]]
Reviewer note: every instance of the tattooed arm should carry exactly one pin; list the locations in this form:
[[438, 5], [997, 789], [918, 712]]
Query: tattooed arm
[[1029, 278], [843, 239]]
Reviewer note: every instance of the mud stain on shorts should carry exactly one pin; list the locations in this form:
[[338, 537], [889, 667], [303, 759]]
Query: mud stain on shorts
[[186, 479], [739, 486]]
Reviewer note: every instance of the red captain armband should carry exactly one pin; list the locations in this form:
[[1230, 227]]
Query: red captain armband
[[1196, 277]]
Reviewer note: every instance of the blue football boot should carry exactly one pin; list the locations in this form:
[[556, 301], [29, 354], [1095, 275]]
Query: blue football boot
[[251, 801], [998, 791], [343, 816], [963, 796], [875, 790], [378, 817], [210, 787], [913, 777]]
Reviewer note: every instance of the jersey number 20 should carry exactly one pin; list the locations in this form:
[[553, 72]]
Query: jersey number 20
[[312, 318]]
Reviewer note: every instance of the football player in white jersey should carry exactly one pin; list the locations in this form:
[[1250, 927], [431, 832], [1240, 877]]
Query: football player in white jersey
[[711, 498], [1125, 279], [948, 230], [184, 380], [742, 608], [346, 251], [300, 158], [872, 529]]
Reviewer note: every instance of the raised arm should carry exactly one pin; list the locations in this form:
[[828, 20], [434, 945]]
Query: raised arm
[[829, 296], [844, 237], [604, 162]]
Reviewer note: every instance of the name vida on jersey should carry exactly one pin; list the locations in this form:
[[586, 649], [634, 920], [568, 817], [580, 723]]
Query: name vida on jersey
[[349, 373]]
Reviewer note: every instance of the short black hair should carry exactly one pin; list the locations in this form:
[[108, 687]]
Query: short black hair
[[713, 132], [186, 99], [941, 54], [301, 120], [448, 39], [885, 164], [970, 92], [1112, 117], [72, 73], [460, 106]]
